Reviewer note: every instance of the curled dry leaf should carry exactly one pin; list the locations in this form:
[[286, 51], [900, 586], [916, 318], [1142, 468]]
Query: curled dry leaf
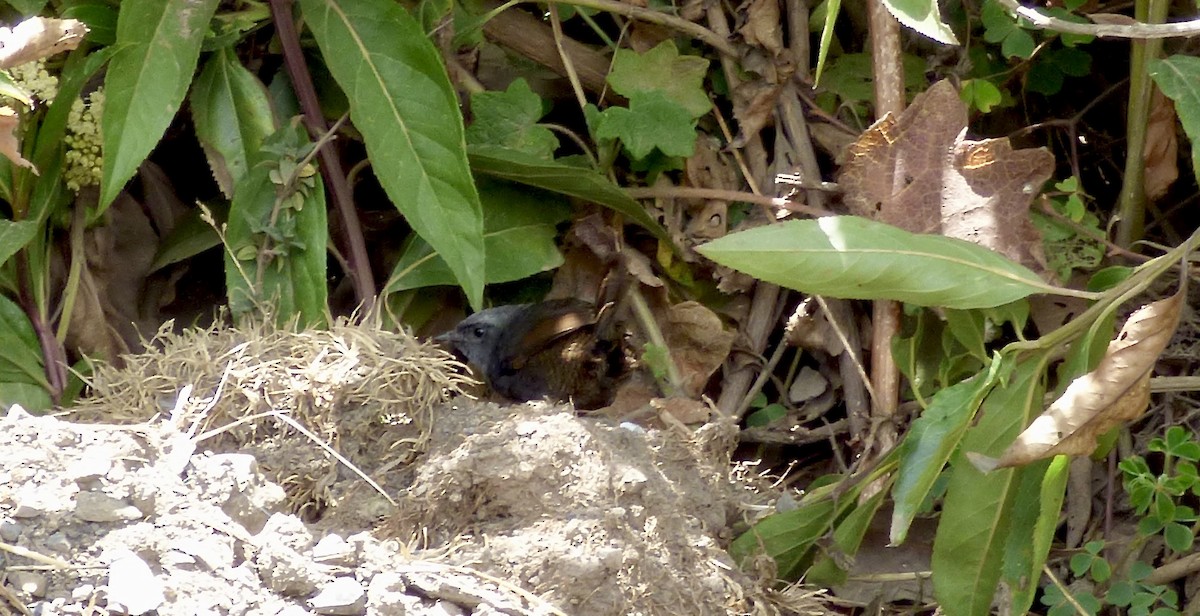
[[39, 37], [1117, 390], [763, 26]]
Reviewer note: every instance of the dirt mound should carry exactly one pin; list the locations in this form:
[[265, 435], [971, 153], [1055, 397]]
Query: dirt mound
[[515, 510]]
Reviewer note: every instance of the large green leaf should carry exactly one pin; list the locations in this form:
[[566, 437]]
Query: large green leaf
[[1179, 78], [519, 232], [523, 168], [14, 236], [1033, 529], [158, 43], [402, 102], [927, 447], [21, 367], [973, 533], [787, 537], [233, 116], [851, 257]]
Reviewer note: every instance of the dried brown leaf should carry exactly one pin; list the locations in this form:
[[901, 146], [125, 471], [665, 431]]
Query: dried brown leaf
[[10, 146], [699, 343], [39, 37], [919, 172], [1160, 156], [763, 26], [1117, 390]]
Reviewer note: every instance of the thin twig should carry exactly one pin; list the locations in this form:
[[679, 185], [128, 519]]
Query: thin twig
[[1129, 31]]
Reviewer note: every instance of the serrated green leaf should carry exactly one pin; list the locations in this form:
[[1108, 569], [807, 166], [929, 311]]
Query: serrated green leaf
[[232, 115], [651, 121], [1179, 79], [509, 119], [158, 43], [15, 235], [519, 235], [554, 176], [402, 102], [934, 436], [855, 258], [663, 71], [976, 514], [981, 94], [922, 16]]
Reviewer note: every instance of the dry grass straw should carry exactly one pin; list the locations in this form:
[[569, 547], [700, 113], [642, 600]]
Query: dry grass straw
[[364, 391]]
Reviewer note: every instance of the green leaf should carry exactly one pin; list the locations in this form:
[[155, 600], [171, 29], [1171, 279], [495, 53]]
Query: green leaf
[[189, 237], [927, 447], [27, 8], [1053, 488], [922, 16], [651, 121], [158, 43], [519, 234], [509, 119], [20, 353], [847, 538], [981, 94], [851, 257], [278, 259], [232, 115], [1179, 79], [15, 235], [554, 176], [402, 102], [100, 17], [786, 537], [662, 70], [976, 514]]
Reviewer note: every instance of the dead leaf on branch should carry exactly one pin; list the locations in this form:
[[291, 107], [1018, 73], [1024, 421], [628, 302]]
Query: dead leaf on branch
[[1160, 156], [919, 172], [39, 37], [1118, 390]]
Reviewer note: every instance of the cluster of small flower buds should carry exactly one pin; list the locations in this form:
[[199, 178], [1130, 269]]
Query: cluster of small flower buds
[[84, 160], [34, 79]]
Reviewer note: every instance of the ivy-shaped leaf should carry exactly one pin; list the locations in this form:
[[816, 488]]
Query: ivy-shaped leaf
[[509, 119], [651, 121], [662, 70]]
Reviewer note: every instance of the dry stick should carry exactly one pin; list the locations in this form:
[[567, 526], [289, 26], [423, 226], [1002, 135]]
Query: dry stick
[[889, 98], [568, 65], [685, 192], [715, 39], [359, 266], [1130, 31], [761, 320]]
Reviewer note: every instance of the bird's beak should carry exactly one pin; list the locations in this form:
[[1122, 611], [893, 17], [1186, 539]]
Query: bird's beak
[[449, 338]]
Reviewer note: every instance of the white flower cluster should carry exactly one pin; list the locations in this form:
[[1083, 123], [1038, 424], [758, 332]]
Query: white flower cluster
[[34, 79], [84, 160]]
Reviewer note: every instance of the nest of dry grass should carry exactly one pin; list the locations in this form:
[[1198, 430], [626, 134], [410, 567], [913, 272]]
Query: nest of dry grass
[[362, 391]]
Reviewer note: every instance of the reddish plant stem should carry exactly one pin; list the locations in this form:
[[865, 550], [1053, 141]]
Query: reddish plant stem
[[354, 245]]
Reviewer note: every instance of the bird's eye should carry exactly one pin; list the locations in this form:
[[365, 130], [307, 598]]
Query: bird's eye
[[478, 332]]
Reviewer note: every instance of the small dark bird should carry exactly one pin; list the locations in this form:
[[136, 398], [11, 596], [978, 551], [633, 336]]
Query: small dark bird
[[564, 350]]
